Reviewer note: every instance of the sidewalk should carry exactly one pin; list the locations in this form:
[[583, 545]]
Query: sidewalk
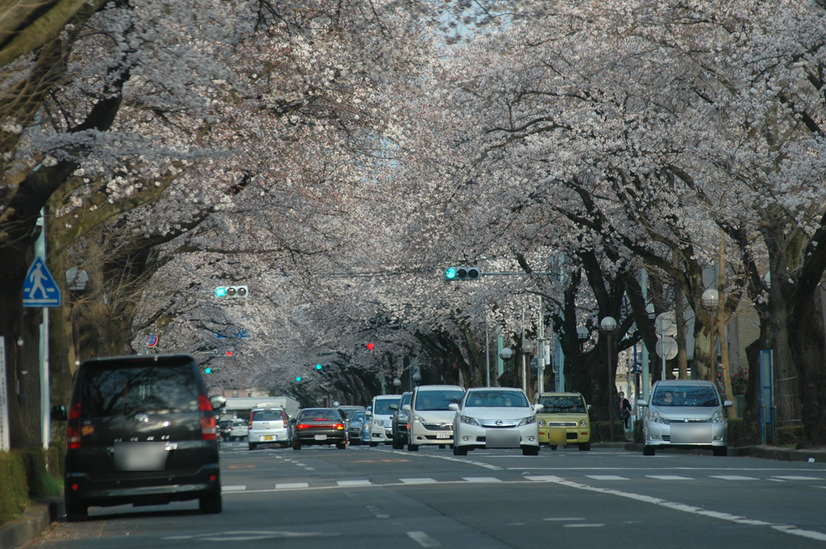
[[37, 518]]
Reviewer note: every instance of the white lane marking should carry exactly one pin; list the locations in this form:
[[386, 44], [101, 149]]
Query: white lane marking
[[354, 482], [668, 477], [423, 539], [482, 479], [607, 477], [292, 486], [562, 519], [584, 525], [542, 478], [797, 478], [233, 488], [417, 480], [682, 507], [733, 477]]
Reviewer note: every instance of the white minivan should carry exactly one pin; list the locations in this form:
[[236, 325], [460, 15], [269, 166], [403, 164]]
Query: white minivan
[[381, 418], [430, 416]]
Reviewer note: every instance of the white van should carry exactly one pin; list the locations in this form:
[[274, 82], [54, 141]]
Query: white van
[[381, 418], [430, 416]]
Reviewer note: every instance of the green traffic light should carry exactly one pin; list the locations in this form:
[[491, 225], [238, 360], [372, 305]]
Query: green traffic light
[[318, 366], [298, 378], [450, 273], [220, 291], [208, 370]]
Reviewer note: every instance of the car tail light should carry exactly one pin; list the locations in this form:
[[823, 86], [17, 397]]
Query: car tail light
[[302, 426], [209, 430], [284, 416], [73, 428], [339, 426]]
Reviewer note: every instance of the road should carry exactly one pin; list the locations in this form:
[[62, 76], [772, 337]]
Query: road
[[379, 497]]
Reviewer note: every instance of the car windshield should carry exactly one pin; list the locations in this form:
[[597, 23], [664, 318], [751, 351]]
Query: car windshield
[[562, 404], [383, 406], [496, 399], [695, 395], [437, 400]]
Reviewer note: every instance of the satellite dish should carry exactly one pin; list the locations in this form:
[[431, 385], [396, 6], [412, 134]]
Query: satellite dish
[[666, 325]]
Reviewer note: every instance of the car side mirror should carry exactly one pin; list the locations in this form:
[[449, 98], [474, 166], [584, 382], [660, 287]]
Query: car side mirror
[[368, 413], [642, 402], [406, 407], [59, 413], [728, 404], [453, 406], [538, 407]]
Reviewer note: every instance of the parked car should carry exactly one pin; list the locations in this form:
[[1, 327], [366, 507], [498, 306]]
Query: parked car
[[684, 413], [268, 426], [431, 419], [141, 430], [399, 422], [354, 428], [495, 417], [238, 430], [563, 420], [381, 419], [320, 426]]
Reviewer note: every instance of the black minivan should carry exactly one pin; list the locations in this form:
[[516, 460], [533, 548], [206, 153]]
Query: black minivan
[[140, 430]]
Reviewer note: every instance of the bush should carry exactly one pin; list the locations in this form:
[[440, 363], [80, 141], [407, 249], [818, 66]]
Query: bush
[[789, 436], [13, 488]]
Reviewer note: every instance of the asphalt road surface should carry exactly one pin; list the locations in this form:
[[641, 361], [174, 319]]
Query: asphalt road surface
[[321, 497]]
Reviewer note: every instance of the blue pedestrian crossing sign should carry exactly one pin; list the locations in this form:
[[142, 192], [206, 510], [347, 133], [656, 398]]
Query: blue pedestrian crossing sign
[[39, 288]]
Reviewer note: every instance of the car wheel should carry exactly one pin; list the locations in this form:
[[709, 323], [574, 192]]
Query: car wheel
[[252, 446], [210, 504], [584, 446], [647, 450], [553, 446], [76, 512], [720, 450], [341, 445], [373, 444], [530, 450], [397, 443], [459, 450], [296, 446], [412, 448]]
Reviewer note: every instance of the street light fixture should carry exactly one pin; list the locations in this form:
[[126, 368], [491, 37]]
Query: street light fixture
[[711, 300], [608, 326]]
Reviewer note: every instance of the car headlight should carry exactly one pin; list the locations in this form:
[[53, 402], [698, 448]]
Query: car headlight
[[717, 417], [469, 420], [527, 421], [654, 415], [416, 419], [541, 422], [583, 423], [378, 423]]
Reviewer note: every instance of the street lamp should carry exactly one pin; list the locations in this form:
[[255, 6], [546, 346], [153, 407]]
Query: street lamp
[[711, 300], [608, 326]]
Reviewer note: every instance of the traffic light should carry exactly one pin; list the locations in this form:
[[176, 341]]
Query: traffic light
[[319, 367], [209, 370], [231, 291], [462, 273], [370, 346], [298, 378]]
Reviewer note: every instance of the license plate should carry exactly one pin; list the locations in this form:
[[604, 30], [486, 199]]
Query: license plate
[[140, 456], [444, 435], [267, 437], [320, 437]]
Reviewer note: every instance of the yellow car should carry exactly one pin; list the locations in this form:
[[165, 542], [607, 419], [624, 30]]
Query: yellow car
[[563, 420]]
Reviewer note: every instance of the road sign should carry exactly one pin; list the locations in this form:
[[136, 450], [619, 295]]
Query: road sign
[[39, 288], [667, 346], [666, 324]]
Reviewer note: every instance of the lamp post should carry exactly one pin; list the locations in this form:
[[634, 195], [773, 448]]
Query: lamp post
[[711, 300], [608, 326]]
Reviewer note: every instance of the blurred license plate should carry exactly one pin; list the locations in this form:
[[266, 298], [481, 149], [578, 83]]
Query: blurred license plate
[[444, 435], [267, 437], [140, 456], [320, 437]]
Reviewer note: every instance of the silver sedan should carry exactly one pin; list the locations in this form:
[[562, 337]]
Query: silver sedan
[[495, 417]]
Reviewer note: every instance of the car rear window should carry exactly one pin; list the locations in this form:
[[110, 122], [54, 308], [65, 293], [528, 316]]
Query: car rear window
[[266, 415], [125, 388]]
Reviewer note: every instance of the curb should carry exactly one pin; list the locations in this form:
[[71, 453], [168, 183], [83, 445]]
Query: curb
[[35, 519]]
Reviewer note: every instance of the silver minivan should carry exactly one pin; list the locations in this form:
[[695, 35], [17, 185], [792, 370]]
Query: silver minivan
[[685, 414], [268, 426]]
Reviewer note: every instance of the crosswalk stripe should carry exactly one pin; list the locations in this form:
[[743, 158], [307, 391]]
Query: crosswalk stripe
[[607, 477], [733, 477], [291, 486], [359, 482], [481, 479], [417, 480], [668, 477]]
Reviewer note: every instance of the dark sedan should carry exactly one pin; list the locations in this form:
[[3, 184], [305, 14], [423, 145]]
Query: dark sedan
[[320, 426]]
